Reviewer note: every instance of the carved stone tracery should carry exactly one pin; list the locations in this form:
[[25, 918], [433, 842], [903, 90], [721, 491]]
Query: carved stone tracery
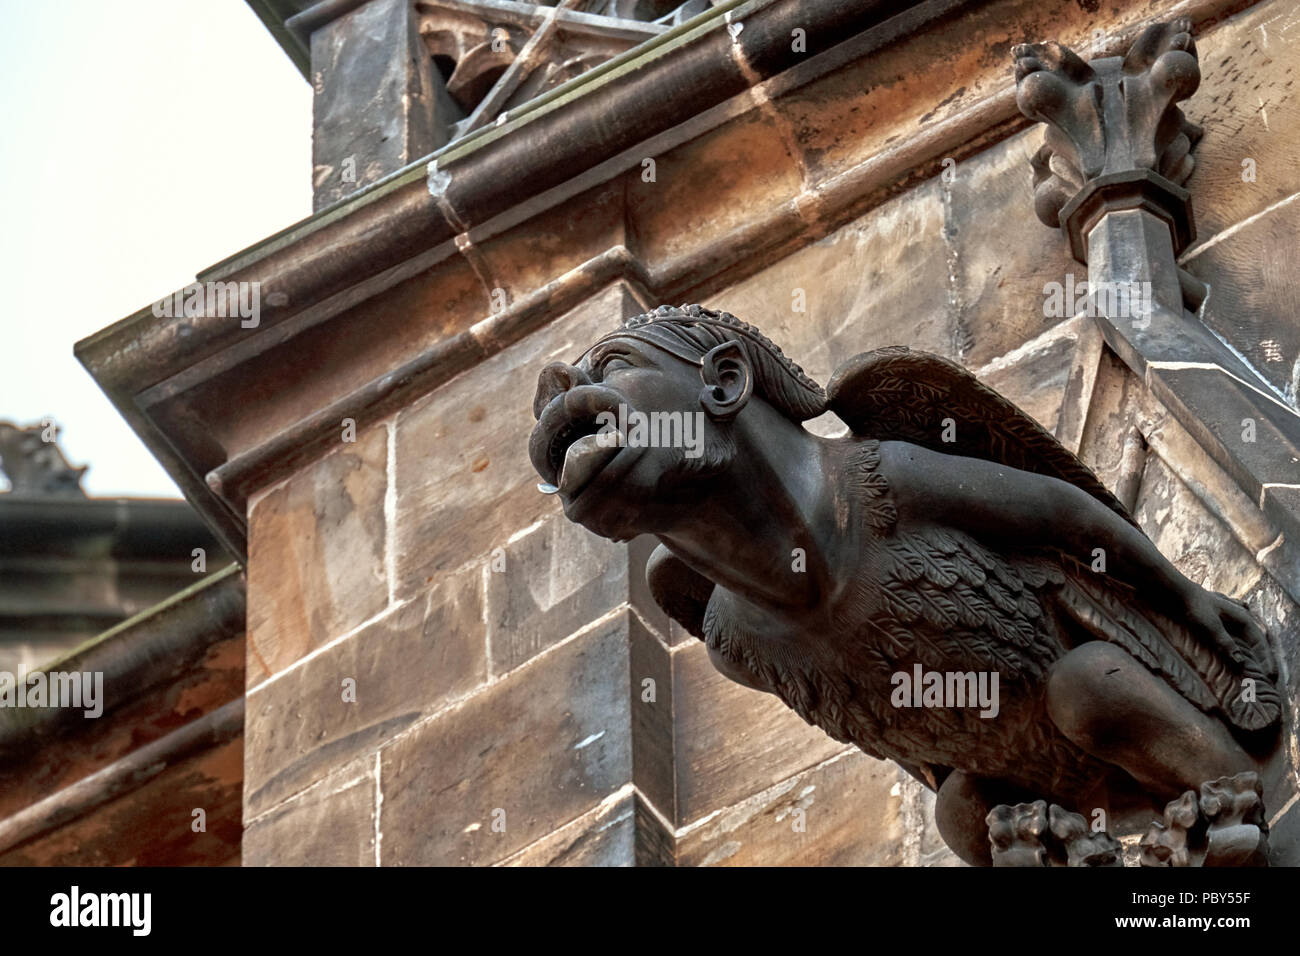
[[495, 55]]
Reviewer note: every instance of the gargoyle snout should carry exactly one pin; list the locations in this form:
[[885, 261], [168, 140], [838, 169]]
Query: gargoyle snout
[[556, 378]]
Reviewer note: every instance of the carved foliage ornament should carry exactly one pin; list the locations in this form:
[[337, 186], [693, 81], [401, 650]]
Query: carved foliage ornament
[[32, 461], [1113, 129]]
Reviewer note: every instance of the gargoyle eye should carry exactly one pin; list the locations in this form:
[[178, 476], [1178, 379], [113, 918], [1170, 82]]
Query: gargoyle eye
[[612, 363]]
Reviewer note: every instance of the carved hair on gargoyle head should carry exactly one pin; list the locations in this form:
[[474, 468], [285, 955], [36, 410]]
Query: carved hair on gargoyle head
[[691, 331]]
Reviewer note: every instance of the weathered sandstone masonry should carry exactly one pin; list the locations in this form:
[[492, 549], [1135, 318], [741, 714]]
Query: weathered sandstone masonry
[[439, 669]]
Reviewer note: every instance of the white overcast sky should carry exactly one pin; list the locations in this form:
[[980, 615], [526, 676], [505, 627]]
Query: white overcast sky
[[140, 142]]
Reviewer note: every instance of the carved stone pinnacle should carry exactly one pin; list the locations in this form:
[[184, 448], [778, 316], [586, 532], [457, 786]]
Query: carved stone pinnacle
[[1115, 139]]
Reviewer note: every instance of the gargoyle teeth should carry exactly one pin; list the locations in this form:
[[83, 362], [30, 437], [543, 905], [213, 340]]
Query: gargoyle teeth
[[569, 435], [567, 418]]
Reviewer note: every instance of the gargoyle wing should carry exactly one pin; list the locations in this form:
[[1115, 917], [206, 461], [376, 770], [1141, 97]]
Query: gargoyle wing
[[682, 592], [684, 596], [1210, 676], [899, 394]]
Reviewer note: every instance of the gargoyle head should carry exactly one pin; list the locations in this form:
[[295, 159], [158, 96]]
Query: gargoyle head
[[649, 417]]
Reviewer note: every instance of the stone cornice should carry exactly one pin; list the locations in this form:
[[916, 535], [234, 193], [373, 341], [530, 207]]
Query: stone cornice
[[556, 164]]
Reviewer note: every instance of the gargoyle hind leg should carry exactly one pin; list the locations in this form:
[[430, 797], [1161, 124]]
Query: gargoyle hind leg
[[1108, 704], [962, 804]]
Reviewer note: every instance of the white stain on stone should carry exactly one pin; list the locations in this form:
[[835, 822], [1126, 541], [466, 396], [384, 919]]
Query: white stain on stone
[[576, 558], [727, 850]]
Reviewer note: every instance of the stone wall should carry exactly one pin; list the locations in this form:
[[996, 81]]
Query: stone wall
[[500, 651], [440, 669]]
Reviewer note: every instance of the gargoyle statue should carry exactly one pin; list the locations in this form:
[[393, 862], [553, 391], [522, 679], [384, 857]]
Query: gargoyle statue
[[35, 465], [947, 535]]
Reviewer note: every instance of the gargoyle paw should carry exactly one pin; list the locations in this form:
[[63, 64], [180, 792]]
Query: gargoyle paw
[[1034, 834], [1223, 826]]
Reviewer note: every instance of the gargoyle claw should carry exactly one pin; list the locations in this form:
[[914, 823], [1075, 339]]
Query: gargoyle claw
[[1034, 834], [1224, 826]]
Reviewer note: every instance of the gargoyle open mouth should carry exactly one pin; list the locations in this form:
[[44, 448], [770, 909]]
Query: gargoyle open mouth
[[566, 446]]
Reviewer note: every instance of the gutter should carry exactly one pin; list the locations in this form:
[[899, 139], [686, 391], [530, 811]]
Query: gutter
[[486, 174], [357, 247], [150, 649]]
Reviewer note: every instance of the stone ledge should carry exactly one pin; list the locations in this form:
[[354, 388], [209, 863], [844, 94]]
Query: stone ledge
[[397, 229]]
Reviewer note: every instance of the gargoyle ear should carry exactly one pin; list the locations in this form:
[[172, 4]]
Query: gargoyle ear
[[728, 380]]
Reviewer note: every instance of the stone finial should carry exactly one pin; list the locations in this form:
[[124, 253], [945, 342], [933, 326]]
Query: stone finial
[[31, 460], [1115, 138]]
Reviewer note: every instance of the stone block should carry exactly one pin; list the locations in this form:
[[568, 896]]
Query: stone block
[[1245, 104], [1000, 255], [844, 812], [852, 284], [1255, 283], [1036, 375], [464, 482], [703, 190], [332, 824], [548, 584], [730, 741], [1117, 399], [653, 765], [1198, 543], [529, 753], [316, 563], [639, 550], [539, 250], [410, 662], [604, 836]]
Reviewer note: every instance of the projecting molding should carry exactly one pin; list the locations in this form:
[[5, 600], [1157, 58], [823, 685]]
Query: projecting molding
[[383, 296]]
